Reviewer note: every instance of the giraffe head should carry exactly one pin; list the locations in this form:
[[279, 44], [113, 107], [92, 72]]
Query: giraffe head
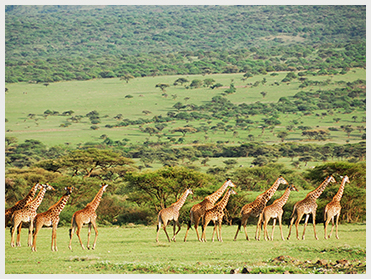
[[331, 179], [230, 183], [38, 186], [281, 180], [345, 179], [104, 186], [232, 192], [293, 188], [47, 187], [68, 190], [189, 192]]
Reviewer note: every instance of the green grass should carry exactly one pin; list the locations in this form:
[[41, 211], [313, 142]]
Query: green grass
[[107, 96], [132, 249]]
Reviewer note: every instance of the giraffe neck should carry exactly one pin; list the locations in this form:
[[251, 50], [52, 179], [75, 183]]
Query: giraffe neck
[[318, 191], [270, 192], [95, 202], [340, 192], [58, 207], [283, 199], [177, 205], [31, 194], [39, 198], [217, 194], [223, 202]]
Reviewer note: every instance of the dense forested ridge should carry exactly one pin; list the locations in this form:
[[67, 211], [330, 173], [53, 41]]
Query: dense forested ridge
[[53, 43]]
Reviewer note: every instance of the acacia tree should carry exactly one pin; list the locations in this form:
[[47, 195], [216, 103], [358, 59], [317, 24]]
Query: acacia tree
[[185, 130], [160, 188], [162, 86], [85, 162]]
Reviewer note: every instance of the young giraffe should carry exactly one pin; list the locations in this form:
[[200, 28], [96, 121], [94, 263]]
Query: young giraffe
[[333, 208], [27, 214], [256, 207], [274, 211], [88, 216], [216, 214], [21, 203], [308, 206], [51, 218], [198, 210], [171, 213]]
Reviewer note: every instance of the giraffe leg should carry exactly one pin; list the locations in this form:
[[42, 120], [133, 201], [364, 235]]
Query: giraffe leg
[[19, 234], [38, 226], [325, 223], [244, 223], [13, 231], [78, 230], [291, 223], [188, 227], [297, 222], [259, 225], [214, 230], [337, 224], [196, 228], [220, 231], [274, 225], [203, 236], [265, 231], [280, 224], [314, 225], [175, 233], [256, 231], [164, 227], [30, 229], [54, 237], [72, 231], [305, 225], [96, 234], [332, 227], [89, 233]]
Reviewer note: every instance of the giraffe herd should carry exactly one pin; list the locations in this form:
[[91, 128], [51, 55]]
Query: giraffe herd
[[24, 211]]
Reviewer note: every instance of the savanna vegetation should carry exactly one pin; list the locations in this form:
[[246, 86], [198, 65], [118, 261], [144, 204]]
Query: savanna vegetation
[[156, 99]]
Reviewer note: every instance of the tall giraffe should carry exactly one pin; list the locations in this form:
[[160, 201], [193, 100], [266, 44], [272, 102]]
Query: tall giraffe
[[274, 211], [216, 214], [51, 218], [308, 206], [198, 210], [256, 207], [88, 216], [171, 213], [333, 208], [27, 214], [21, 203]]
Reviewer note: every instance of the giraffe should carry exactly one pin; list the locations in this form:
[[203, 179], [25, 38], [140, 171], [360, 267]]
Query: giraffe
[[21, 203], [274, 211], [198, 210], [27, 214], [256, 207], [51, 218], [88, 216], [216, 214], [171, 213], [333, 209], [308, 206]]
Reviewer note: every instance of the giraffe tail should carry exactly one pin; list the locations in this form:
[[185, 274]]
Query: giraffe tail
[[239, 223], [73, 223]]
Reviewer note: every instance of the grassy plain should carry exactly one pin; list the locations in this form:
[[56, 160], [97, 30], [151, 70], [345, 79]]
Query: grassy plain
[[132, 249], [108, 97]]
